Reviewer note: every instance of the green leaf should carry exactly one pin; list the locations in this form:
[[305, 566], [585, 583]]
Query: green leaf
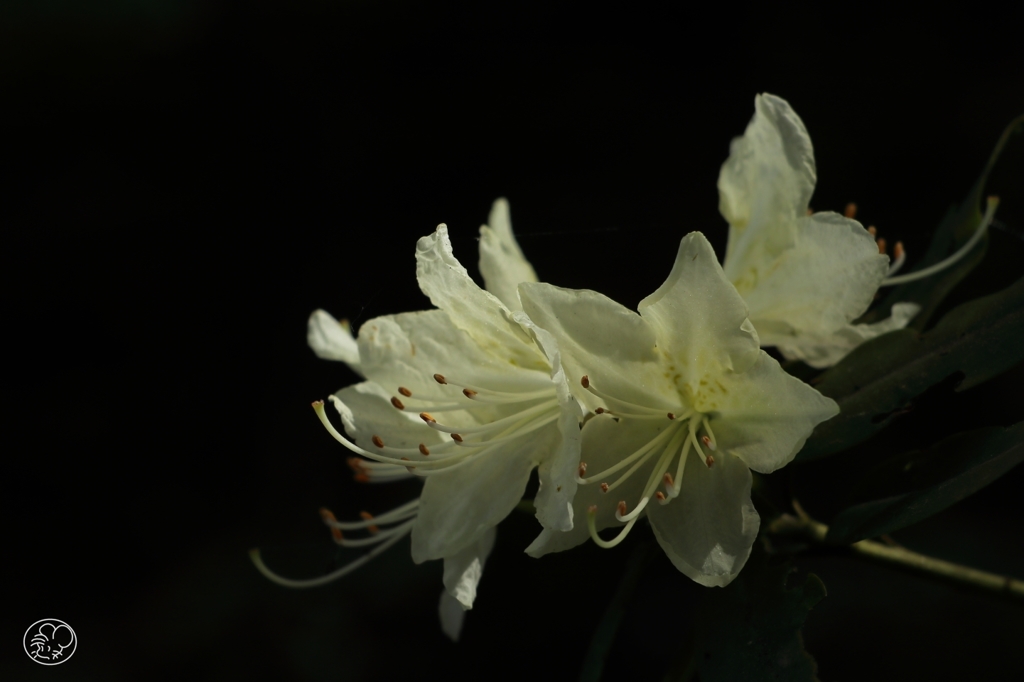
[[878, 380], [932, 479], [953, 232], [750, 630]]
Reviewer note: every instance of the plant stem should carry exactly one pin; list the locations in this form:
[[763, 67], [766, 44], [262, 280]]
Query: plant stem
[[813, 530]]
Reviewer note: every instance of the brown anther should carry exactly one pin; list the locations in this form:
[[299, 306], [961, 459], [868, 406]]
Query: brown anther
[[427, 418], [582, 470], [671, 415], [439, 378], [354, 463], [897, 251], [600, 410], [366, 516], [710, 461], [873, 230], [622, 508], [881, 246], [668, 479], [706, 440], [660, 496], [457, 438], [851, 210], [423, 450], [585, 381], [604, 487], [328, 516], [404, 391], [404, 459], [469, 393], [377, 441], [397, 403], [810, 211]]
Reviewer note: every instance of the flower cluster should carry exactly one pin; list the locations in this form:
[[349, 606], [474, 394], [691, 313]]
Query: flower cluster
[[660, 413]]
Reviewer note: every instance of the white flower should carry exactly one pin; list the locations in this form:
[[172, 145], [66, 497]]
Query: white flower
[[686, 402], [803, 277], [471, 397]]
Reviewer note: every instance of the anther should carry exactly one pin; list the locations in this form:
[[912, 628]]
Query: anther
[[423, 450], [427, 418], [585, 381], [851, 210], [469, 393], [367, 516], [456, 437], [897, 250], [582, 469], [710, 461], [377, 441], [708, 443], [881, 246], [328, 516], [604, 487], [600, 410], [671, 415], [361, 477], [404, 391], [659, 496], [873, 230], [667, 478], [622, 508], [354, 463], [397, 403], [439, 378]]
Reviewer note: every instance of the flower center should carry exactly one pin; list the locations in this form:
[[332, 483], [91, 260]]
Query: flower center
[[671, 445]]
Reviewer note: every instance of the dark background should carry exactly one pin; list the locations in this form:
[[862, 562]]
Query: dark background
[[184, 182]]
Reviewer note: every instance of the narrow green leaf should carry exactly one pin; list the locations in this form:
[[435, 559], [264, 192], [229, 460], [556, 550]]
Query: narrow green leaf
[[953, 232], [750, 630], [978, 340], [931, 480]]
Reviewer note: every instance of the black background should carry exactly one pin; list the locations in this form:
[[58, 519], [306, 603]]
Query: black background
[[183, 183]]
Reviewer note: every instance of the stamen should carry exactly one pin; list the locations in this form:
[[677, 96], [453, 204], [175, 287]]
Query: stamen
[[639, 457], [329, 519], [901, 258], [621, 508], [709, 461], [377, 441], [423, 450], [425, 416], [439, 378], [671, 415], [585, 381], [457, 438], [644, 411], [604, 487], [600, 410], [660, 497], [851, 210], [404, 391], [367, 516], [581, 470], [873, 231], [713, 445], [623, 517], [598, 540], [469, 393], [881, 246], [986, 220], [397, 403], [667, 478], [254, 554]]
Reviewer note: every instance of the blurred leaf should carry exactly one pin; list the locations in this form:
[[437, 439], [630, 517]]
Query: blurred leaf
[[750, 630], [932, 479], [879, 379], [953, 232]]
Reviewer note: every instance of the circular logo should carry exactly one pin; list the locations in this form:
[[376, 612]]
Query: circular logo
[[50, 641]]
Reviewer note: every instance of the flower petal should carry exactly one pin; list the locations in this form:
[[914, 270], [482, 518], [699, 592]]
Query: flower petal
[[366, 411], [462, 570], [766, 184], [449, 287], [699, 319], [606, 442], [707, 531], [458, 506], [764, 415], [822, 351], [331, 339], [502, 263], [452, 615], [828, 278], [598, 337]]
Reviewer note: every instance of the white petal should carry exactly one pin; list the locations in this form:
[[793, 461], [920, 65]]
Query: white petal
[[449, 287], [829, 278], [707, 531], [766, 184], [459, 506], [764, 415], [452, 615], [462, 570], [502, 263], [699, 319], [606, 442], [599, 338], [826, 350], [331, 339]]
